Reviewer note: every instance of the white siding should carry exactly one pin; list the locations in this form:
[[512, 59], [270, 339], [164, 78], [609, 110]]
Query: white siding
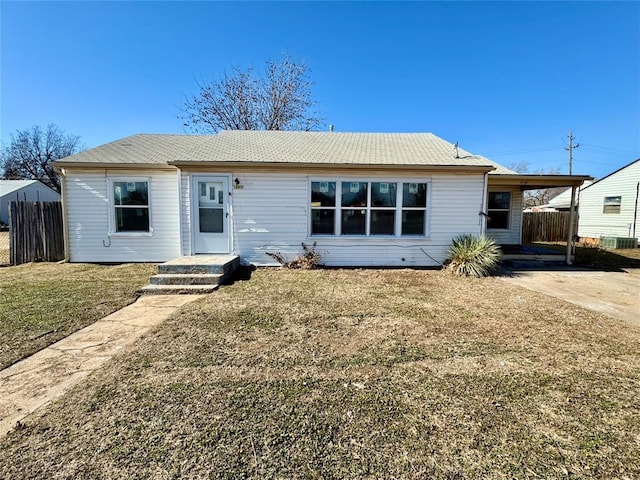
[[185, 213], [87, 217], [512, 235], [271, 214], [593, 222]]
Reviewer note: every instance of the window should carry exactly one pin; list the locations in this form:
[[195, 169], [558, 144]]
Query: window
[[130, 200], [383, 208], [353, 213], [323, 208], [368, 208], [612, 204], [414, 203], [499, 209]]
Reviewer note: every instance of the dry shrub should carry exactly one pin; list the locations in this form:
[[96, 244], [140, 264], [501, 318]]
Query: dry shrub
[[310, 258]]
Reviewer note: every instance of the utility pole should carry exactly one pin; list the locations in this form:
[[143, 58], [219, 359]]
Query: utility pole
[[570, 148]]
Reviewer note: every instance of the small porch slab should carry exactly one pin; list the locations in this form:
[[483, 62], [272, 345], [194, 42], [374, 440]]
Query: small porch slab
[[192, 274], [531, 256]]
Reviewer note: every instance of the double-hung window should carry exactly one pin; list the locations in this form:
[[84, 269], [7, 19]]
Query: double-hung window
[[368, 208], [323, 208], [130, 205], [612, 204], [383, 208], [353, 208], [499, 209], [414, 204]]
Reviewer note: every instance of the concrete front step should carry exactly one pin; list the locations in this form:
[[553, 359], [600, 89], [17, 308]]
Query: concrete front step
[[186, 279], [193, 274], [177, 289], [201, 264]]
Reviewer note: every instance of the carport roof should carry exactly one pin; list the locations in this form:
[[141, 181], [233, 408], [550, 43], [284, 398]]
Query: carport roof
[[535, 181]]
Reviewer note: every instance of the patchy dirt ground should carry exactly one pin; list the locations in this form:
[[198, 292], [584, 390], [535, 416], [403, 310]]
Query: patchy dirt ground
[[354, 374], [616, 294]]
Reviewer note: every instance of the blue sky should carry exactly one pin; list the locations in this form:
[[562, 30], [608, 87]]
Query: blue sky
[[506, 80]]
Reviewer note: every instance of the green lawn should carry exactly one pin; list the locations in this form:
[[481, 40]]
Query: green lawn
[[354, 374], [40, 303]]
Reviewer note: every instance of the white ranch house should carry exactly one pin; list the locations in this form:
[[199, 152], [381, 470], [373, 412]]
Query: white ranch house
[[609, 207], [367, 199]]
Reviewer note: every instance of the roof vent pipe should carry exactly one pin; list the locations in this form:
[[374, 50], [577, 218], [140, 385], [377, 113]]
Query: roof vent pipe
[[331, 128]]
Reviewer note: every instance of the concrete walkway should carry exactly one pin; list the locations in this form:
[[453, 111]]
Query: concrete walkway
[[39, 379], [616, 294]]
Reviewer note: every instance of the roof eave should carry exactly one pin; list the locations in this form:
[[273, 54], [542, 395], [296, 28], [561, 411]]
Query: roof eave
[[102, 165], [535, 181], [324, 166]]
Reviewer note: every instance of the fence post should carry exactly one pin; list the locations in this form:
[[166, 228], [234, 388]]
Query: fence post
[[35, 232]]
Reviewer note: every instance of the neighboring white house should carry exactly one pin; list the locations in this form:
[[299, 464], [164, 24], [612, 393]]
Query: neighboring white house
[[609, 206], [561, 202], [23, 191], [393, 199]]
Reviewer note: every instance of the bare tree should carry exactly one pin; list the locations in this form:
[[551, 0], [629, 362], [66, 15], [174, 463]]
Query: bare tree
[[541, 196], [279, 99], [519, 167], [30, 153]]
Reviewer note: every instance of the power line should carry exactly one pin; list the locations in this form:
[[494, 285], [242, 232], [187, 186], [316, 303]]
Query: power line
[[636, 152], [526, 150]]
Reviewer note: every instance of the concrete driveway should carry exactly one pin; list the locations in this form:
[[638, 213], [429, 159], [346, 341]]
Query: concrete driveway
[[616, 294]]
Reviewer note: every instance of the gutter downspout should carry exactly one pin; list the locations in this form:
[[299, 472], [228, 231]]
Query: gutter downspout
[[635, 210], [483, 206], [572, 218], [180, 213], [65, 222]]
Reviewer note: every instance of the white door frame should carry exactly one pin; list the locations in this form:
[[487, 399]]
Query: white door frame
[[194, 205]]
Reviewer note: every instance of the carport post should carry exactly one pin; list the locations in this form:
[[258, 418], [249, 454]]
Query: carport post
[[572, 216]]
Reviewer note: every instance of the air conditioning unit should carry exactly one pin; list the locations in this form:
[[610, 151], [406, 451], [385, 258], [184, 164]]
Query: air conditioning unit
[[618, 242]]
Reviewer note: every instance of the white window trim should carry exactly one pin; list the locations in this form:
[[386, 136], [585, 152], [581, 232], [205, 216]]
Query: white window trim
[[397, 209], [605, 205], [112, 206], [508, 210]]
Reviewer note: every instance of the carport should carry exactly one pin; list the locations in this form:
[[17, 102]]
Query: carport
[[504, 204]]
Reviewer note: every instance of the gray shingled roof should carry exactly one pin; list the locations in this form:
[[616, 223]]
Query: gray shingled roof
[[233, 146], [10, 186]]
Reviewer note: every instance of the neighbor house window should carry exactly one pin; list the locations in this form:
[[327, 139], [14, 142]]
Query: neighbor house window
[[612, 204], [499, 209], [368, 208], [130, 198]]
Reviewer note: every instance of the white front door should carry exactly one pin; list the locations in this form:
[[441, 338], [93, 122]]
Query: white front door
[[210, 214]]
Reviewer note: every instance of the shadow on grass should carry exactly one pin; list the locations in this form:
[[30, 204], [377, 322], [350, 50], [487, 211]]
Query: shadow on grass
[[600, 259], [242, 274]]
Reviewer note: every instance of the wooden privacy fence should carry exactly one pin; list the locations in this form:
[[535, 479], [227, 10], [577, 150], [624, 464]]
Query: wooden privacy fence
[[547, 226], [36, 233]]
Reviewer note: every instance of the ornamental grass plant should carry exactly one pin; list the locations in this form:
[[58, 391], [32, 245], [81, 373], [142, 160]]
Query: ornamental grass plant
[[472, 256]]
